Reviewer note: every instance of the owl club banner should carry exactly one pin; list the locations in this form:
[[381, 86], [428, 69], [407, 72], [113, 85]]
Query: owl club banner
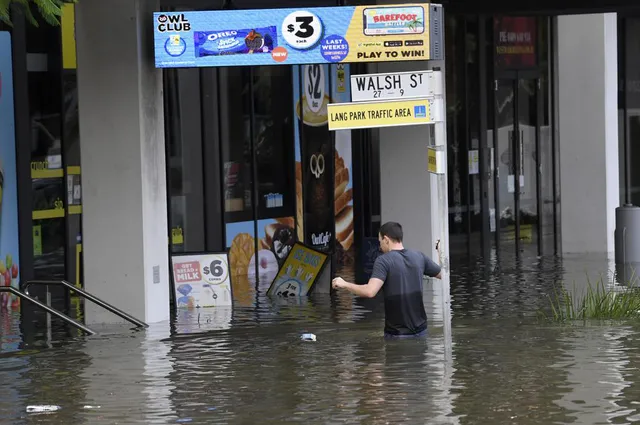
[[292, 36]]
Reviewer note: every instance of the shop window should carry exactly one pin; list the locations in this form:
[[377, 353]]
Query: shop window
[[256, 134], [44, 66], [273, 133], [629, 104], [235, 107], [184, 160]]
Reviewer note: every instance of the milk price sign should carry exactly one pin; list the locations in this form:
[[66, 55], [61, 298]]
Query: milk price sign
[[398, 85]]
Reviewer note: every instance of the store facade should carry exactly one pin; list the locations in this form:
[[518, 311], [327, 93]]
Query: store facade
[[232, 141]]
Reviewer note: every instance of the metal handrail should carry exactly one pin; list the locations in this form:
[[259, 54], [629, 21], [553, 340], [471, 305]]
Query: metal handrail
[[88, 296], [46, 308]]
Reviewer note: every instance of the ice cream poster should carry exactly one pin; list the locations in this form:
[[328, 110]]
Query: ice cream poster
[[9, 241], [299, 272], [315, 35], [202, 280], [259, 256]]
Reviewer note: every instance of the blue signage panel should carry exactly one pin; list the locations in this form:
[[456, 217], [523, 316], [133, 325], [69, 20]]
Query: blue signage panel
[[291, 36]]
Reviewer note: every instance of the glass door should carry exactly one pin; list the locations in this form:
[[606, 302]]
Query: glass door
[[517, 140], [257, 151]]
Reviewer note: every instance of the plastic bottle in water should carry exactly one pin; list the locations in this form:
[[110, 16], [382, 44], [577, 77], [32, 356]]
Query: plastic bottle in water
[[42, 408]]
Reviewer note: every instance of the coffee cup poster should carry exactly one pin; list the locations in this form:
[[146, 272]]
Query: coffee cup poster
[[321, 35], [9, 242], [324, 191]]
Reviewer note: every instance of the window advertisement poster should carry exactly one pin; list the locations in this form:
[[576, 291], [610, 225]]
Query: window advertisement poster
[[320, 161], [292, 36], [9, 242], [343, 183], [515, 41], [274, 240], [202, 280], [298, 273]]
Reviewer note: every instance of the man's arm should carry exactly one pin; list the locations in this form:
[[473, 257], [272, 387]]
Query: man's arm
[[369, 290], [432, 269]]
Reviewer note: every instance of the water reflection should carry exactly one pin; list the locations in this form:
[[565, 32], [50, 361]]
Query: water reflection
[[495, 364]]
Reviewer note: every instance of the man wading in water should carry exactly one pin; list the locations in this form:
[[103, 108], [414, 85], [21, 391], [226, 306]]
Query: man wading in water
[[399, 272]]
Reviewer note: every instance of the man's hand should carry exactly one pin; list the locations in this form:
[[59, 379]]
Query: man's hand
[[366, 291], [338, 283]]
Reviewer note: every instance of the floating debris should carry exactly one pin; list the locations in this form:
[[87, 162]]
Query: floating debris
[[43, 408], [308, 337]]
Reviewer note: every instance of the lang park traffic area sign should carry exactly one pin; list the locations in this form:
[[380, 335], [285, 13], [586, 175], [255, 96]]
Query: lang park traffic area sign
[[349, 116]]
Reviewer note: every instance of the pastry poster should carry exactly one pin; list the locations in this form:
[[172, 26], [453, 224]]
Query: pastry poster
[[202, 280], [9, 242], [298, 273], [297, 36], [343, 183]]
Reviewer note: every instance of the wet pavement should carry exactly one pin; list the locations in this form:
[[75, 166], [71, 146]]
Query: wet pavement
[[501, 365]]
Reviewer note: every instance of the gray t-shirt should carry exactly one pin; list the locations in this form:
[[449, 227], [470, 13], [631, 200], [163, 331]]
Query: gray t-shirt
[[402, 272]]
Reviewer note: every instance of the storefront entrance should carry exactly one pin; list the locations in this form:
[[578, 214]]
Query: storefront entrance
[[516, 172], [253, 168], [502, 150]]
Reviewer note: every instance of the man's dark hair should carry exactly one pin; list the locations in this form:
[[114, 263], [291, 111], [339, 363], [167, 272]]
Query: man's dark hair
[[392, 230]]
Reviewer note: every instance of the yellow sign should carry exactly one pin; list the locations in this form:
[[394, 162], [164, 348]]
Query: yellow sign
[[37, 241], [299, 272], [347, 116], [433, 161], [436, 161], [177, 236], [389, 33], [68, 27]]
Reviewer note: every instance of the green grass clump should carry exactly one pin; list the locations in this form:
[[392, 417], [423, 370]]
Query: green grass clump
[[598, 303]]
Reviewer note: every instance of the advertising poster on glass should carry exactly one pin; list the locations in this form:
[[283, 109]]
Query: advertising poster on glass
[[319, 160], [9, 242], [322, 35], [275, 238], [515, 41], [343, 181], [202, 280], [299, 272]]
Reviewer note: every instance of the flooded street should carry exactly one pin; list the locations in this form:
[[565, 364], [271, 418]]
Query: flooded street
[[501, 366]]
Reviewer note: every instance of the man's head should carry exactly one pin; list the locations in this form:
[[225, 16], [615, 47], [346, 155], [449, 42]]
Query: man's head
[[390, 236]]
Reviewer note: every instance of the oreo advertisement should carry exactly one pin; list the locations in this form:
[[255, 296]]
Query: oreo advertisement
[[299, 272], [292, 36]]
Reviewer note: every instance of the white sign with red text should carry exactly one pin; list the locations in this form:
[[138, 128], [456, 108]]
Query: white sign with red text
[[201, 280]]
